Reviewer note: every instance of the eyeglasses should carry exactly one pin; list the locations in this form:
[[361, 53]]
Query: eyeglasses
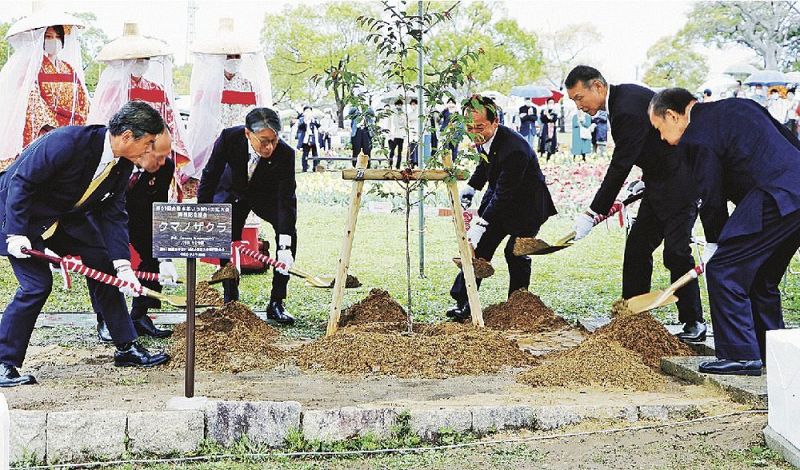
[[261, 143]]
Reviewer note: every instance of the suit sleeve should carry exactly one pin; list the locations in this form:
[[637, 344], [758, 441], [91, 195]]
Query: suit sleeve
[[164, 180], [287, 202], [48, 156], [512, 173], [112, 220], [213, 171], [707, 171], [632, 136], [479, 176]]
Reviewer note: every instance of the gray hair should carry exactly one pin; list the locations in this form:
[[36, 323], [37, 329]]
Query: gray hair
[[138, 117], [263, 118]]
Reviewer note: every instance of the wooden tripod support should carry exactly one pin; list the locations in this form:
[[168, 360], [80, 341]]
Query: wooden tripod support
[[358, 176]]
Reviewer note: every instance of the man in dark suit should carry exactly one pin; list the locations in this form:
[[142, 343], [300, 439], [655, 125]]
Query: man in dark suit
[[145, 188], [259, 176], [668, 209], [527, 123], [739, 153], [46, 197], [516, 203]]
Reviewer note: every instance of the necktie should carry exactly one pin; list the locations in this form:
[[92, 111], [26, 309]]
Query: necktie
[[482, 150], [134, 179], [251, 165], [95, 183]]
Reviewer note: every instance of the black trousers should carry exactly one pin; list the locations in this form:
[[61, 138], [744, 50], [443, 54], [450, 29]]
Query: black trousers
[[35, 284], [362, 141], [279, 281], [647, 233], [519, 267], [304, 159], [396, 144]]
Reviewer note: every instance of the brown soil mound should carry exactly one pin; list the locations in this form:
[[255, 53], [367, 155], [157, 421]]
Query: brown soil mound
[[596, 361], [228, 271], [482, 268], [206, 295], [471, 352], [523, 311], [644, 335], [351, 282], [229, 339], [378, 306]]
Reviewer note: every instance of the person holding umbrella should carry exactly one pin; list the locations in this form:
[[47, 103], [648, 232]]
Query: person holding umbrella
[[738, 153]]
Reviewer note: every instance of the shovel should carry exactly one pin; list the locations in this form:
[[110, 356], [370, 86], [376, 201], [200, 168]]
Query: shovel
[[541, 247], [651, 300], [71, 265], [316, 281]]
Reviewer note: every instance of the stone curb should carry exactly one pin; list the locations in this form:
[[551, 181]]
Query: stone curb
[[747, 390], [79, 436], [779, 444]]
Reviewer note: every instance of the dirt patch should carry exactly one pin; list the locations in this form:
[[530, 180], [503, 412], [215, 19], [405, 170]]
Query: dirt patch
[[377, 307], [469, 352], [207, 295], [228, 271], [350, 283], [596, 361], [228, 339], [523, 311], [482, 268], [644, 335]]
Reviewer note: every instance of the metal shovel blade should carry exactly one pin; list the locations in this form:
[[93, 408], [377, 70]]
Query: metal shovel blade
[[174, 300], [649, 301]]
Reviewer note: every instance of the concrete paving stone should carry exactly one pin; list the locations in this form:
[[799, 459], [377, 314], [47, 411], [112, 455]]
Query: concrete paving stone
[[553, 417], [705, 348], [591, 324], [263, 422], [668, 412], [73, 436], [779, 444], [427, 423], [165, 432], [348, 422], [28, 435], [741, 389], [497, 418]]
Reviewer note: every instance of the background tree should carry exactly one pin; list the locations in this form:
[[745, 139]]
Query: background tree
[[305, 40], [671, 62], [770, 29], [5, 48], [181, 76], [92, 39]]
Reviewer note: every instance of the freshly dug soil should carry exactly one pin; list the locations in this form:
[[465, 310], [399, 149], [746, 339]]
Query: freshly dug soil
[[596, 361], [471, 352], [351, 283], [228, 271], [527, 245], [378, 306], [228, 339], [620, 308], [523, 311], [207, 295], [483, 268], [644, 335]]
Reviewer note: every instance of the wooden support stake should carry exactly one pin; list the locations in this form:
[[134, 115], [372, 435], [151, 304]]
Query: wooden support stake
[[464, 249], [347, 248]]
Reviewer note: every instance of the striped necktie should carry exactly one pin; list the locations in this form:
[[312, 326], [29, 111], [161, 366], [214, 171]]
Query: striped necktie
[[251, 165]]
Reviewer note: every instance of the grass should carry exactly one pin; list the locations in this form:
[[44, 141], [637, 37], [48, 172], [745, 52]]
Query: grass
[[579, 282]]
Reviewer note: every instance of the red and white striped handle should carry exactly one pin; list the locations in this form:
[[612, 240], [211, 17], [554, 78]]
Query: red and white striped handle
[[257, 255], [71, 264]]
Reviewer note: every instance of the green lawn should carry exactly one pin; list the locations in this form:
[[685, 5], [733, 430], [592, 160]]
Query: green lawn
[[578, 282]]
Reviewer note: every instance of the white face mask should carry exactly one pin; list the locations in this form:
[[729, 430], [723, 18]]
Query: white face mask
[[232, 65], [53, 47], [139, 68]]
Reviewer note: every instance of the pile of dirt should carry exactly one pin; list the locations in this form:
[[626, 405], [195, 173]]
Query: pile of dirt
[[228, 339], [351, 283], [481, 267], [228, 271], [377, 307], [523, 311], [644, 335], [598, 362], [206, 295], [471, 352]]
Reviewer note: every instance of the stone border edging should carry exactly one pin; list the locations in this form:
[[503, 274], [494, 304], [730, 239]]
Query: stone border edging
[[75, 436]]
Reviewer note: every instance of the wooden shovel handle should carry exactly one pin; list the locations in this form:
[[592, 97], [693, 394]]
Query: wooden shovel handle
[[682, 281]]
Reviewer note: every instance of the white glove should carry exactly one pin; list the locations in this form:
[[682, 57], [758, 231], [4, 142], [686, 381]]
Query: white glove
[[635, 187], [584, 224], [708, 252], [125, 273], [167, 273], [16, 243], [466, 196], [476, 231], [284, 254]]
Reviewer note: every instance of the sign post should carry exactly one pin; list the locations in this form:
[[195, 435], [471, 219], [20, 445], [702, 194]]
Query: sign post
[[191, 231]]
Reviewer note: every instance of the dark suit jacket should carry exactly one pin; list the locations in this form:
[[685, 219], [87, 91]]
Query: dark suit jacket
[[149, 188], [739, 153], [50, 176], [638, 143], [517, 197], [527, 123], [270, 193]]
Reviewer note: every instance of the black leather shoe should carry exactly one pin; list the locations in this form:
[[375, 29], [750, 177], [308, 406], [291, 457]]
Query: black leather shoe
[[135, 355], [145, 327], [102, 332], [726, 367], [275, 311], [452, 312], [9, 377], [693, 332], [463, 315]]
